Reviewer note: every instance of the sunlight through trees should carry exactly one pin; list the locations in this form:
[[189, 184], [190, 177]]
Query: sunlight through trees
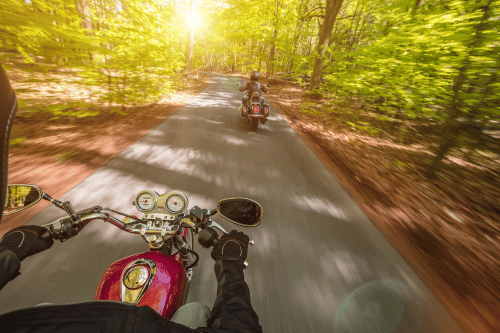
[[411, 60]]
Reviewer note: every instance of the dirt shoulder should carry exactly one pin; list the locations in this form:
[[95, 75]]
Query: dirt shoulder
[[444, 228], [59, 154]]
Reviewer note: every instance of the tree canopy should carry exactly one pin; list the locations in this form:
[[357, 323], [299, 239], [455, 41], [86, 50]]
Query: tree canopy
[[425, 60]]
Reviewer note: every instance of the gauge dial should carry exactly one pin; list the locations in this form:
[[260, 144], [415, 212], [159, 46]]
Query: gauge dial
[[145, 201], [176, 202]]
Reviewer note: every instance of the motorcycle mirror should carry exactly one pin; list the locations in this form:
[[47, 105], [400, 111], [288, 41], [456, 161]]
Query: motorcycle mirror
[[20, 197], [240, 211]]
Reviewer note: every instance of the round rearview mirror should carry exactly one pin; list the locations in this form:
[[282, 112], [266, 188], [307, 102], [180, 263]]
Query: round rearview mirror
[[20, 197], [240, 211]]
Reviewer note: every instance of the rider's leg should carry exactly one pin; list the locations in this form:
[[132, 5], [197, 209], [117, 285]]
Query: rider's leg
[[266, 105], [244, 102], [192, 315], [266, 110]]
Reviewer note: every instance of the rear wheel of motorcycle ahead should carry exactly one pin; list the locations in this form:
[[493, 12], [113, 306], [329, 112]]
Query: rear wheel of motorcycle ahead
[[255, 123]]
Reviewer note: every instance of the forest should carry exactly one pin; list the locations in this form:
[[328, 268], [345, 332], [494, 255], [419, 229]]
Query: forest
[[411, 64]]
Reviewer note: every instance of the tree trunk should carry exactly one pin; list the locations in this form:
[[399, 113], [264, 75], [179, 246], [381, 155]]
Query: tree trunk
[[233, 69], [190, 43], [452, 129], [331, 12], [83, 9], [190, 50], [270, 64], [295, 43]]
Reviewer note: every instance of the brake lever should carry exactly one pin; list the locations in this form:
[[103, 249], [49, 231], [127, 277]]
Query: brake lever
[[218, 226]]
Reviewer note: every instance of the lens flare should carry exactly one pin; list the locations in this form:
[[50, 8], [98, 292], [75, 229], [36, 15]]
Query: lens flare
[[192, 19]]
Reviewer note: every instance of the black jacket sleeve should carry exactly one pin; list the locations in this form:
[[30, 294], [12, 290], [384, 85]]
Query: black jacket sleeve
[[245, 87], [232, 311], [9, 266]]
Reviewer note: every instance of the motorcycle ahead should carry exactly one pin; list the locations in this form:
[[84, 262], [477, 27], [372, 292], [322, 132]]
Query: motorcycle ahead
[[160, 277], [255, 111]]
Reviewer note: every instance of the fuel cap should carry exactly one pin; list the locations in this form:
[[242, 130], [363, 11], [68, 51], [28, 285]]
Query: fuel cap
[[136, 277]]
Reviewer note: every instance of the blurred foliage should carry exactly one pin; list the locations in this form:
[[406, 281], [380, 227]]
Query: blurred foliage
[[435, 63], [66, 156], [16, 141], [75, 109], [127, 49], [426, 63]]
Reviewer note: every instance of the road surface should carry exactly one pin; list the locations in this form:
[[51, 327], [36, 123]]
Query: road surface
[[319, 264]]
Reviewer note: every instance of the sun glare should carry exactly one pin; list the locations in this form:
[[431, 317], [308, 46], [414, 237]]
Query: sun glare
[[192, 19]]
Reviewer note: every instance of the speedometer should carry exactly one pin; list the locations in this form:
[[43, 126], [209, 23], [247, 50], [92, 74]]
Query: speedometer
[[146, 201], [176, 202]]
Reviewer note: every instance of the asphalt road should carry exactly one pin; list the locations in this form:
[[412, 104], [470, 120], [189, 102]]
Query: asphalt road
[[319, 264]]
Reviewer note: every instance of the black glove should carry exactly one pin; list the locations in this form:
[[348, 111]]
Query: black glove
[[232, 246], [25, 241]]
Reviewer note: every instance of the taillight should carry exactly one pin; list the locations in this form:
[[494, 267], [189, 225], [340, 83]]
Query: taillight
[[255, 109]]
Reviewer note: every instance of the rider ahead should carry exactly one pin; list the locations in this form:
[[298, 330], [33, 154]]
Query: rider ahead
[[232, 311], [251, 87]]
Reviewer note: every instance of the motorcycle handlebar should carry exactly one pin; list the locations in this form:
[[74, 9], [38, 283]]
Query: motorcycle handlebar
[[65, 229]]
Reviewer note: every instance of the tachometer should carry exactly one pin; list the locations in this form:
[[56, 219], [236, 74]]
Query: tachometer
[[176, 202], [146, 201]]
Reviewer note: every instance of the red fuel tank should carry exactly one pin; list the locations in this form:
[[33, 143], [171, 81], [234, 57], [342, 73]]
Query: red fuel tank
[[149, 278]]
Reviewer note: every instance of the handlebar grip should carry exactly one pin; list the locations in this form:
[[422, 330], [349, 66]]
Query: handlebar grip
[[46, 236]]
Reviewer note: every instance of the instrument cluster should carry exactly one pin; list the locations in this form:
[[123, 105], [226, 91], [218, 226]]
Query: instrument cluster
[[151, 202]]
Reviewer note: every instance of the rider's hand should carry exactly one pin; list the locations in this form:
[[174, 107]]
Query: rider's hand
[[232, 246], [25, 241]]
